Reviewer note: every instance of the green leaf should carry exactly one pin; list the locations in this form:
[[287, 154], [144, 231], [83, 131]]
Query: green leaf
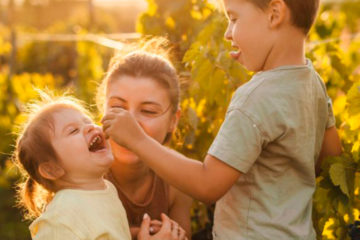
[[353, 99], [339, 178]]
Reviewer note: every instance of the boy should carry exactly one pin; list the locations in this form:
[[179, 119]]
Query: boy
[[278, 127]]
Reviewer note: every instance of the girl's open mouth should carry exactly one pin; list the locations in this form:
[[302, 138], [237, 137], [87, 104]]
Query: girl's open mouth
[[97, 143]]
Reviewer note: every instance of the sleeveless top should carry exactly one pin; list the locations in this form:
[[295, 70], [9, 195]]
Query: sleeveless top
[[157, 203]]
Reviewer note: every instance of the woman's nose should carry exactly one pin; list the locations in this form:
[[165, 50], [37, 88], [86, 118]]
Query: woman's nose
[[137, 116]]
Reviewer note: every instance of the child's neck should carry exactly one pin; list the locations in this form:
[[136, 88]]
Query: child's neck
[[288, 50], [81, 184]]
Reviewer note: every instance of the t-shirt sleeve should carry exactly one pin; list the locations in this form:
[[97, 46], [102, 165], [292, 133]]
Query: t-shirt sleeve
[[45, 230], [331, 118], [238, 142]]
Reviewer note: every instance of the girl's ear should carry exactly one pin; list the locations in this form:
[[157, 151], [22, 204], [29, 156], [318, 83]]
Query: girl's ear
[[277, 12], [50, 170]]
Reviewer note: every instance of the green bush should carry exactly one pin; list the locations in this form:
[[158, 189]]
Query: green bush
[[196, 30]]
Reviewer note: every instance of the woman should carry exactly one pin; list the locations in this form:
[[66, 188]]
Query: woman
[[147, 86]]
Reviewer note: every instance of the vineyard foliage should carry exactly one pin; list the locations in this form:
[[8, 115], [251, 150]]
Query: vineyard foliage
[[195, 29]]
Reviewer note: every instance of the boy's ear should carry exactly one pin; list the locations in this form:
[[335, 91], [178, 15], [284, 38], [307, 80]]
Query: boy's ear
[[277, 12], [51, 170]]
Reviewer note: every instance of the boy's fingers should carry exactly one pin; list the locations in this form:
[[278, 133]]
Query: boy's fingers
[[107, 122], [106, 136], [108, 116], [106, 125]]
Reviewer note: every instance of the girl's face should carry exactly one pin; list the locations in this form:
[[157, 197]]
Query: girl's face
[[149, 102], [249, 32], [80, 145]]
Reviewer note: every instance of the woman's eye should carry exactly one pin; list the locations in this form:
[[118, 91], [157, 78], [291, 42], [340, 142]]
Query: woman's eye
[[148, 112], [233, 20]]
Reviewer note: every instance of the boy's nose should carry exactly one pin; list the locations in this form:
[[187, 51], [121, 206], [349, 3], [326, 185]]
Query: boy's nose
[[228, 33]]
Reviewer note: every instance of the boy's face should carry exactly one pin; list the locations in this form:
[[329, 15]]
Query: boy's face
[[249, 32], [80, 144]]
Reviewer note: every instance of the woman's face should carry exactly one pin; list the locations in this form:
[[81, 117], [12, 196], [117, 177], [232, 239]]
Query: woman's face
[[150, 104]]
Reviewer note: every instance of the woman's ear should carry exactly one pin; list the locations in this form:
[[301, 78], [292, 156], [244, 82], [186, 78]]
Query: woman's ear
[[172, 126], [174, 121], [51, 170], [277, 13]]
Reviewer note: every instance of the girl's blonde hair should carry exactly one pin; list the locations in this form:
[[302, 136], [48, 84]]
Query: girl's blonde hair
[[148, 58], [33, 147]]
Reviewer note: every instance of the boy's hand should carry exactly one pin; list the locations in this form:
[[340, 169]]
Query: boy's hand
[[121, 126]]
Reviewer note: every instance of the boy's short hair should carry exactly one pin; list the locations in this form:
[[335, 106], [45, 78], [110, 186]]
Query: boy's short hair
[[303, 12]]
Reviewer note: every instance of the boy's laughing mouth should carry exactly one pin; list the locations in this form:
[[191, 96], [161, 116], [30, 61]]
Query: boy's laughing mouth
[[235, 53]]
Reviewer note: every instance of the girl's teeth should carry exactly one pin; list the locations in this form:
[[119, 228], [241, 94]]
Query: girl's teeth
[[94, 141]]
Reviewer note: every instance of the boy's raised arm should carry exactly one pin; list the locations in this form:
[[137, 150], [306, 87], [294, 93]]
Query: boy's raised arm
[[331, 146], [206, 181]]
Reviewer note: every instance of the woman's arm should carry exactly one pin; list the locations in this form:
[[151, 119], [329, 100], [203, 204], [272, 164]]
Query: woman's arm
[[179, 211]]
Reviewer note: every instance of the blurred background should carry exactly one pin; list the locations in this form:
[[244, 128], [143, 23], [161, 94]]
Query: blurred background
[[67, 44]]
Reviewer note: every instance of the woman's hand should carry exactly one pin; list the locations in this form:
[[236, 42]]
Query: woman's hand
[[121, 127], [155, 226], [169, 229]]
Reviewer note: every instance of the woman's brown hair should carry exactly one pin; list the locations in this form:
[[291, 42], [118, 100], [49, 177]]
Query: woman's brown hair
[[34, 147], [150, 61]]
